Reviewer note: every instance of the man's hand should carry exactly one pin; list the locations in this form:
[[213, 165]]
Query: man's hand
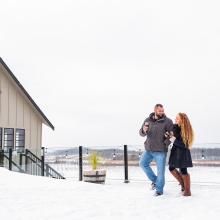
[[145, 128], [167, 135]]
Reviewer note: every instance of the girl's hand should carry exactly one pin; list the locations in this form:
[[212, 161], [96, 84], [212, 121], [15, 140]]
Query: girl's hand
[[170, 146], [172, 139]]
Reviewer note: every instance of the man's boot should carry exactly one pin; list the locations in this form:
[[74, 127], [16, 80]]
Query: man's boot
[[186, 180], [179, 178]]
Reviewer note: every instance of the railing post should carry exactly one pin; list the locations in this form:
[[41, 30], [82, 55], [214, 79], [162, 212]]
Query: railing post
[[47, 170], [42, 161], [80, 164], [126, 163], [1, 158], [26, 161], [20, 159], [10, 159]]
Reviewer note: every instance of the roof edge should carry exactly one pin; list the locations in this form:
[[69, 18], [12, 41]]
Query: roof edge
[[26, 94]]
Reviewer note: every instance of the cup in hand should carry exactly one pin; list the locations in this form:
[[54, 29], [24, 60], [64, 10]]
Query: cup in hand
[[146, 124], [167, 134], [146, 127]]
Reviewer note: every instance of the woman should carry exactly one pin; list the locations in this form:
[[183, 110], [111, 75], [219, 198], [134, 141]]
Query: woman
[[180, 156]]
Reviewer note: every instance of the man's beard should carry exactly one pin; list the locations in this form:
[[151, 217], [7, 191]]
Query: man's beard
[[159, 116]]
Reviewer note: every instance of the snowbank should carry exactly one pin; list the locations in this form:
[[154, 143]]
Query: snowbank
[[25, 197]]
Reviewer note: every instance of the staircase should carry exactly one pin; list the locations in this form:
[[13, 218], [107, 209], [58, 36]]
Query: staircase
[[27, 162]]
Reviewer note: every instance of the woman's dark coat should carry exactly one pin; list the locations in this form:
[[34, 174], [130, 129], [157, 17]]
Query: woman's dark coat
[[180, 156]]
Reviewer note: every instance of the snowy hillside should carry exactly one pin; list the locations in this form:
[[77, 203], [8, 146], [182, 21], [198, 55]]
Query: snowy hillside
[[24, 197]]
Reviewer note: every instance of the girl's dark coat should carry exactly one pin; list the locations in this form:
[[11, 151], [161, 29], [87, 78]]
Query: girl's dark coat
[[180, 156]]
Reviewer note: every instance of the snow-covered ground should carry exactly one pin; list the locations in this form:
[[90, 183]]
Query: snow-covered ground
[[30, 197]]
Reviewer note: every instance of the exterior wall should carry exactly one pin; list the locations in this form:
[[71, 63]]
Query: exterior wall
[[16, 112]]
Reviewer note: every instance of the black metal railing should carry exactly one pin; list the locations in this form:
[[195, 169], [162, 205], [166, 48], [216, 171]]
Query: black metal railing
[[28, 162], [50, 172], [11, 164], [33, 164], [122, 162], [38, 166]]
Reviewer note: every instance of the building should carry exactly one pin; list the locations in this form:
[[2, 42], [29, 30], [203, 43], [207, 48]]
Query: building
[[20, 117]]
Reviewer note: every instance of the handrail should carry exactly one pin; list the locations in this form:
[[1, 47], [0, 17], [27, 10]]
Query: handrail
[[33, 155], [20, 169], [48, 173], [30, 158], [47, 168], [35, 161]]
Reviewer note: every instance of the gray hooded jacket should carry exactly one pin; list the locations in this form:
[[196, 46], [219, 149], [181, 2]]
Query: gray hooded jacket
[[156, 140]]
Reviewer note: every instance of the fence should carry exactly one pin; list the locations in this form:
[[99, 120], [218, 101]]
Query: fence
[[121, 162]]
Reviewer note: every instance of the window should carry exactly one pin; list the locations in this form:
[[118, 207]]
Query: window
[[9, 138], [19, 138], [0, 138]]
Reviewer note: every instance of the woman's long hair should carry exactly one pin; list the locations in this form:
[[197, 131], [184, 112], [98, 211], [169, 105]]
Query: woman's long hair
[[186, 130]]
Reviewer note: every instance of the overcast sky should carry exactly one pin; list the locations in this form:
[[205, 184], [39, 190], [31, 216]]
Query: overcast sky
[[97, 68]]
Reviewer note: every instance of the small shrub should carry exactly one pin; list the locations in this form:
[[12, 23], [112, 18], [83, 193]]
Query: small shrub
[[94, 160]]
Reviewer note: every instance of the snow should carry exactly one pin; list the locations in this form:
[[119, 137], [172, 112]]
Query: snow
[[31, 197]]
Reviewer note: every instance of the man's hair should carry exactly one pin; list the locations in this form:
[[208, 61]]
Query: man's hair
[[158, 105]]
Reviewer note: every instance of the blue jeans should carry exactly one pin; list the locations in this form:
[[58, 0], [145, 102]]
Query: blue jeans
[[160, 158]]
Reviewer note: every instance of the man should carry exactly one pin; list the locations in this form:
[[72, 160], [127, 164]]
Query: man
[[156, 128]]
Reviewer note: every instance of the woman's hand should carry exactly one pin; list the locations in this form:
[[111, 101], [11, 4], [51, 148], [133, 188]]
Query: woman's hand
[[172, 139]]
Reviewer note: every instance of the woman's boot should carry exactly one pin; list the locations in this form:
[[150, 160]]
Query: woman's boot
[[179, 178], [186, 180]]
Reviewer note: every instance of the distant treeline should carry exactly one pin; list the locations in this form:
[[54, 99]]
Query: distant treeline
[[205, 153]]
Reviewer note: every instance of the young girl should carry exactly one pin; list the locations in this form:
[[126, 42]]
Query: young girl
[[180, 156]]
